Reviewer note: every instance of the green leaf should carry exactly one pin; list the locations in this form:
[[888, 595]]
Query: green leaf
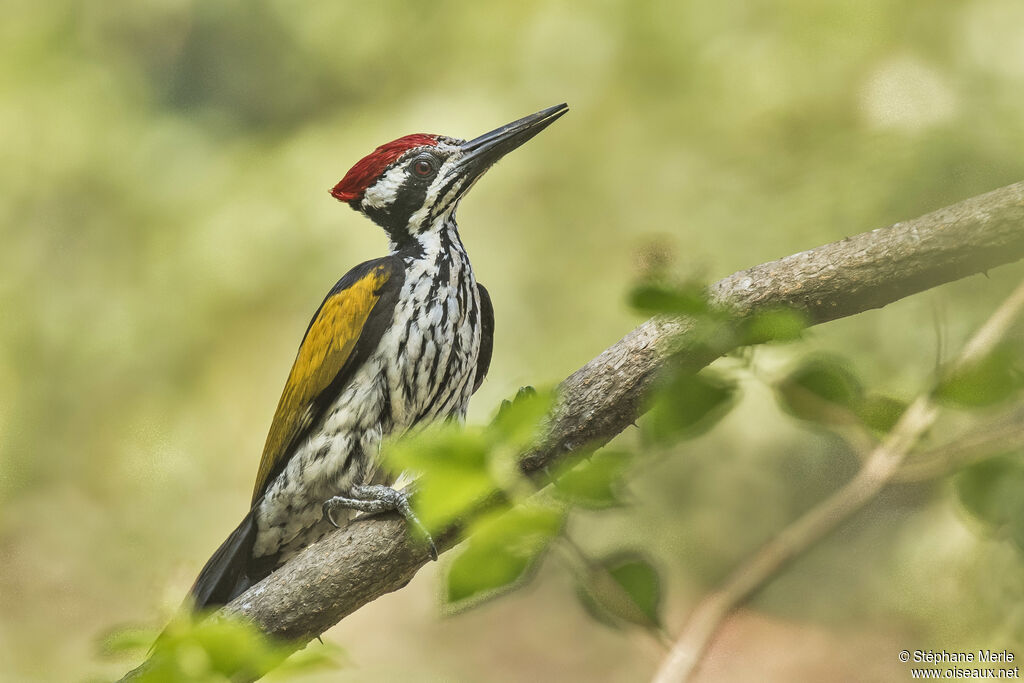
[[774, 325], [324, 655], [880, 412], [993, 492], [594, 482], [502, 548], [685, 405], [822, 389], [655, 299], [518, 423], [825, 390], [623, 588], [989, 380], [452, 467], [217, 649]]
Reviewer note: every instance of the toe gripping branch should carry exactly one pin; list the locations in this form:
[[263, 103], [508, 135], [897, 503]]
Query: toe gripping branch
[[374, 500]]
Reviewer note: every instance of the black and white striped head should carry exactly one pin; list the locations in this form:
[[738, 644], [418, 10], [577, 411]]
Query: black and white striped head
[[411, 185]]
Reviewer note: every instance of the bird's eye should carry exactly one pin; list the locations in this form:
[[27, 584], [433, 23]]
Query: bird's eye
[[423, 167]]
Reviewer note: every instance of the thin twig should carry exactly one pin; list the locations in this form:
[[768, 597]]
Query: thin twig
[[997, 436], [879, 469]]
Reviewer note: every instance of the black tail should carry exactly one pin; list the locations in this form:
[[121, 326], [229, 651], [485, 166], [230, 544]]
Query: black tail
[[225, 575]]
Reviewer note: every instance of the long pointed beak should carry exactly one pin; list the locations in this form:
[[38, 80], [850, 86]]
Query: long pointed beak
[[481, 153]]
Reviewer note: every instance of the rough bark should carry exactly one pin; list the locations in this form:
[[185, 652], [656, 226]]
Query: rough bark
[[369, 558]]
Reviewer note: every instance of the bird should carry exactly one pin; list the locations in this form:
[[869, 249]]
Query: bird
[[399, 342]]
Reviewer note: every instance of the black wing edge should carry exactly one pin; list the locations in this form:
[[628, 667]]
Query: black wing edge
[[224, 576], [483, 363]]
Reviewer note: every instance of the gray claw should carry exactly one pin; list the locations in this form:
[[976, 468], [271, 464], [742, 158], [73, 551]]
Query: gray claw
[[328, 514]]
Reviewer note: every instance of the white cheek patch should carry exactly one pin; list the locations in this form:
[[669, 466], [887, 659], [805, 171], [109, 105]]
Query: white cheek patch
[[383, 193]]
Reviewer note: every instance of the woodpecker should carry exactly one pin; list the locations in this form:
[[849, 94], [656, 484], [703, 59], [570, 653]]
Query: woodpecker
[[400, 341]]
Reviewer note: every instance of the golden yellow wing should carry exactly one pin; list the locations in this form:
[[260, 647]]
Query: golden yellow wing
[[347, 325]]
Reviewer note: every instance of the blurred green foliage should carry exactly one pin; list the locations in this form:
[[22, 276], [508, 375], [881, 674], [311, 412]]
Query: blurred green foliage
[[167, 233], [818, 380], [824, 389], [506, 521], [655, 298], [456, 461], [624, 588], [779, 325], [503, 546], [687, 404], [215, 651], [595, 481], [995, 378], [470, 476], [462, 467], [993, 492]]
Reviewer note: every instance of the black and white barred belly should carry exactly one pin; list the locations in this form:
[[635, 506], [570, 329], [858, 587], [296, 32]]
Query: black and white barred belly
[[422, 370]]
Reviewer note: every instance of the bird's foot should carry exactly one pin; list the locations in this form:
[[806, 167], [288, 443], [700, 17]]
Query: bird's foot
[[374, 500]]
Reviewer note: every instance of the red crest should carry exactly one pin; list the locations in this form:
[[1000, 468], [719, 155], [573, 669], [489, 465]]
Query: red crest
[[369, 168]]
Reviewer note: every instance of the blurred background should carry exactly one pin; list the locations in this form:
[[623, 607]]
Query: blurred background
[[167, 233]]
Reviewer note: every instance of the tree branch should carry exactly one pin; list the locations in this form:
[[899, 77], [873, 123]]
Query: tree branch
[[369, 558]]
